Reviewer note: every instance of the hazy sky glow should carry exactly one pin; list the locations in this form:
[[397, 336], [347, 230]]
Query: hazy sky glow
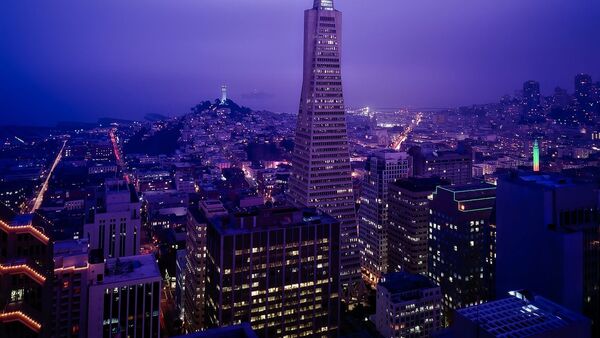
[[80, 60]]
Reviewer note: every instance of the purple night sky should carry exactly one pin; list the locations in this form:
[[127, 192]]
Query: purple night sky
[[80, 60]]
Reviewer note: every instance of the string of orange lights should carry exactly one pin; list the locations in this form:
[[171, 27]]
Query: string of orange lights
[[23, 269], [21, 317], [25, 229]]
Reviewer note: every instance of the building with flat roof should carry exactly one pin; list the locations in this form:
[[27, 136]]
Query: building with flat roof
[[455, 166], [532, 110], [70, 289], [212, 208], [520, 315], [382, 169], [275, 268], [125, 294], [195, 262], [461, 244], [407, 305], [408, 223], [548, 239]]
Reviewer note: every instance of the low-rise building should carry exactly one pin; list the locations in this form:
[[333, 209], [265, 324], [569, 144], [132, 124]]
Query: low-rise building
[[408, 305]]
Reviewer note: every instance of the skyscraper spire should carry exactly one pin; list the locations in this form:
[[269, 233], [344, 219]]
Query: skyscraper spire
[[536, 156], [323, 4]]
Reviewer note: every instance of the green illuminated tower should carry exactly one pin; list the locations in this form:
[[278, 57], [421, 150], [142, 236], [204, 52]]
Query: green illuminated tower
[[536, 156]]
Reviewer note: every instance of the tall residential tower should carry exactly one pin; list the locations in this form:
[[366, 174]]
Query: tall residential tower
[[321, 174]]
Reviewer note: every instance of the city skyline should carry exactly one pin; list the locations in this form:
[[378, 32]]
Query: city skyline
[[128, 60], [328, 220]]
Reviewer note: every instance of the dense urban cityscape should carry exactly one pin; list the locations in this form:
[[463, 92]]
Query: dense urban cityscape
[[332, 221]]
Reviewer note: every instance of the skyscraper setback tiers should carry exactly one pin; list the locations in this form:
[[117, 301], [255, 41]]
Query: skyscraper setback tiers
[[321, 174]]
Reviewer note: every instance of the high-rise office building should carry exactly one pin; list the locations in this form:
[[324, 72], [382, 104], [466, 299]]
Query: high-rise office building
[[408, 225], [195, 266], [382, 169], [70, 289], [584, 96], [124, 298], [461, 244], [547, 239], [583, 88], [455, 166], [25, 275], [321, 174], [531, 94], [522, 314], [113, 224], [407, 305], [531, 102], [275, 268], [561, 97]]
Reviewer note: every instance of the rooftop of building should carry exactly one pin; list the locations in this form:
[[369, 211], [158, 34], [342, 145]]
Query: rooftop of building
[[446, 155], [468, 187], [399, 282], [236, 331], [212, 203], [323, 4], [70, 253], [391, 154], [265, 217], [176, 211], [420, 184], [211, 208], [152, 195], [22, 219], [70, 247], [35, 219], [101, 163], [543, 180], [170, 236], [131, 268], [198, 215], [521, 315], [114, 186], [587, 174], [468, 198]]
